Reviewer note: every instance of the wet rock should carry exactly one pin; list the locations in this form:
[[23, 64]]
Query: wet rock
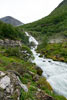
[[39, 71], [44, 61], [49, 61]]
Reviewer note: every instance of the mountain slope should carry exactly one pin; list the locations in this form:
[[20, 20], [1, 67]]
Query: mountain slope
[[51, 31], [11, 20], [17, 60], [53, 24], [8, 31]]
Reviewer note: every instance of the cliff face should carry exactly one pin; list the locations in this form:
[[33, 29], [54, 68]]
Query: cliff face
[[11, 43], [11, 20]]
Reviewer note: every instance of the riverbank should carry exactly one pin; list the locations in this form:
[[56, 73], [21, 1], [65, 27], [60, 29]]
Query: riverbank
[[49, 68], [55, 51], [38, 87]]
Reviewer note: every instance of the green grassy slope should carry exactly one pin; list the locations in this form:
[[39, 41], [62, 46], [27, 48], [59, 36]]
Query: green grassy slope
[[13, 59], [52, 27], [28, 75], [53, 24]]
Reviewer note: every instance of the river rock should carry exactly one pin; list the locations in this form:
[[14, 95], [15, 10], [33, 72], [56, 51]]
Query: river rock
[[39, 70]]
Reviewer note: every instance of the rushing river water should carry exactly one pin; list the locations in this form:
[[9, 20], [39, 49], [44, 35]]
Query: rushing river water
[[54, 71]]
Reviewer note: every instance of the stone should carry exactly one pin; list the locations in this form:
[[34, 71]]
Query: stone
[[23, 85], [2, 73], [1, 42], [44, 61], [9, 86], [49, 61], [4, 82], [39, 70]]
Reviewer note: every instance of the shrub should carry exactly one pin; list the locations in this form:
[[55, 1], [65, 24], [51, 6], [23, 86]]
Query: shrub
[[13, 52]]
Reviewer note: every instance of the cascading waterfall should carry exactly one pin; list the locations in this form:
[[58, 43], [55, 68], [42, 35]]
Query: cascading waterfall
[[54, 71]]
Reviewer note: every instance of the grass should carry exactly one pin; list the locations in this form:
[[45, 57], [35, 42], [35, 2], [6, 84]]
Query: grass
[[22, 67], [56, 51], [53, 26]]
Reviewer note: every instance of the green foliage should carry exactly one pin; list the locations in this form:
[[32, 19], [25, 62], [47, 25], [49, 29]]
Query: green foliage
[[53, 26], [11, 32], [2, 69], [22, 67], [25, 48], [23, 52], [55, 23], [43, 43], [56, 51], [13, 52]]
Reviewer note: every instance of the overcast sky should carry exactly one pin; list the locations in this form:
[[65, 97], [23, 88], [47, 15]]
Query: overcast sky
[[27, 10]]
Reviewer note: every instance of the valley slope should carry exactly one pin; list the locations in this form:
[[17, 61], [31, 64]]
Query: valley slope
[[51, 32], [16, 59]]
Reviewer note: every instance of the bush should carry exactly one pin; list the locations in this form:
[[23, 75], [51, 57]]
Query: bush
[[13, 52], [11, 32]]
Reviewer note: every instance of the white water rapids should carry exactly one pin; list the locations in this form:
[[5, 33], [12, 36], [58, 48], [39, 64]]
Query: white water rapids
[[54, 71]]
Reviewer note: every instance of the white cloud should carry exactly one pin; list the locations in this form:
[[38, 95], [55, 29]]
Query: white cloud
[[27, 10]]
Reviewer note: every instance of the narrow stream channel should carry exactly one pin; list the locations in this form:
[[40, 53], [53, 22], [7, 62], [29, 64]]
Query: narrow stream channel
[[54, 71]]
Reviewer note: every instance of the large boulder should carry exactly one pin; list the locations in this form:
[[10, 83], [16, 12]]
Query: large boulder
[[39, 70], [10, 86]]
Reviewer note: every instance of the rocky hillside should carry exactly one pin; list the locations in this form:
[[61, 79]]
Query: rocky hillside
[[11, 20]]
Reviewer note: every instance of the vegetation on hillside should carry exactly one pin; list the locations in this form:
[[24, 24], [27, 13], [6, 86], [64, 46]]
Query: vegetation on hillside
[[13, 33], [51, 27], [28, 75], [53, 24], [55, 51], [15, 58]]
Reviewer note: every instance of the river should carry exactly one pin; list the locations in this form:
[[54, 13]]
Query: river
[[54, 71]]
